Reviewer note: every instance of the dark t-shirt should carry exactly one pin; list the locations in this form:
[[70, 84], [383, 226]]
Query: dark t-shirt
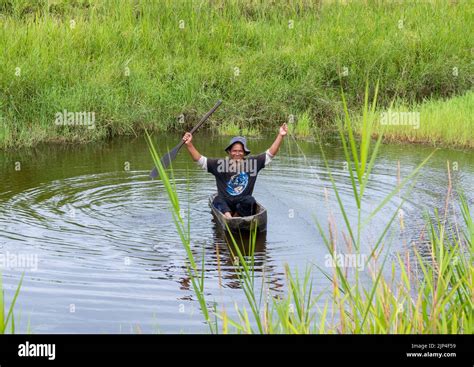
[[234, 181]]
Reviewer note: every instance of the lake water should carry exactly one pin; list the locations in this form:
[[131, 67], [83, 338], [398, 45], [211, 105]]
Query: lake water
[[102, 255]]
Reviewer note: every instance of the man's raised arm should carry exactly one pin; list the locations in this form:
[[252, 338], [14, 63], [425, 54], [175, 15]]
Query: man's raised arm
[[273, 150]]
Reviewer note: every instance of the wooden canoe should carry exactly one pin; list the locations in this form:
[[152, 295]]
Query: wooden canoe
[[237, 224]]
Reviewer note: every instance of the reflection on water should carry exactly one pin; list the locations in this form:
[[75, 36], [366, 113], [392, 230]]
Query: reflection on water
[[222, 258], [107, 248], [225, 244]]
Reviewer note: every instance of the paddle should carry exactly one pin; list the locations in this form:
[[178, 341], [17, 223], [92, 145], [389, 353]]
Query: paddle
[[168, 157]]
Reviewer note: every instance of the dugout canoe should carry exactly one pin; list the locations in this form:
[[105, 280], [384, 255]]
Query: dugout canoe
[[237, 224]]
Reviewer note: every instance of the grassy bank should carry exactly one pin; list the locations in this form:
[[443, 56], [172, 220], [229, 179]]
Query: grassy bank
[[447, 123], [436, 122], [144, 64]]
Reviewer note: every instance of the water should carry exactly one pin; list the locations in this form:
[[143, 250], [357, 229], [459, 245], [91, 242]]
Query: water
[[105, 257]]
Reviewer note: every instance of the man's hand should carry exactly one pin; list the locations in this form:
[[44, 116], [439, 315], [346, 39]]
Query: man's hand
[[188, 138], [283, 129]]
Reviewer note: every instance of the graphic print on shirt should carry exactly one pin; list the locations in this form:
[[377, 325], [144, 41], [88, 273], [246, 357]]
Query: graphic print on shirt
[[237, 184]]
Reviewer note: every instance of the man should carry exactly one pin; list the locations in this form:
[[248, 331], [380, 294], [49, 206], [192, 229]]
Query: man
[[236, 174]]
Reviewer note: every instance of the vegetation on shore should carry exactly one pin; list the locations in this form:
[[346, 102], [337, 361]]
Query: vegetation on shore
[[447, 123], [158, 65]]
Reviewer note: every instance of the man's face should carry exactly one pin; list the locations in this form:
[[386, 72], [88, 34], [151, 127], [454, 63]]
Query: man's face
[[236, 152]]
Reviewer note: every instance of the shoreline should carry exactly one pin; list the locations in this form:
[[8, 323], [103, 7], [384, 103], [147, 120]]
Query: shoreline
[[158, 66]]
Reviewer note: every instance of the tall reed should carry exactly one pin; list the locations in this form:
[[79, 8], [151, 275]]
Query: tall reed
[[7, 317]]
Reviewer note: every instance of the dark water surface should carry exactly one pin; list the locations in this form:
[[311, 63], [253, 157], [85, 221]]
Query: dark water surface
[[104, 254]]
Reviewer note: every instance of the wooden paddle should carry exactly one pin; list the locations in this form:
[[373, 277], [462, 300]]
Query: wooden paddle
[[168, 157]]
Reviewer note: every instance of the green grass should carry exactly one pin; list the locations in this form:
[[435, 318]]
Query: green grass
[[303, 127], [421, 294], [232, 129], [441, 123], [132, 64], [7, 317]]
